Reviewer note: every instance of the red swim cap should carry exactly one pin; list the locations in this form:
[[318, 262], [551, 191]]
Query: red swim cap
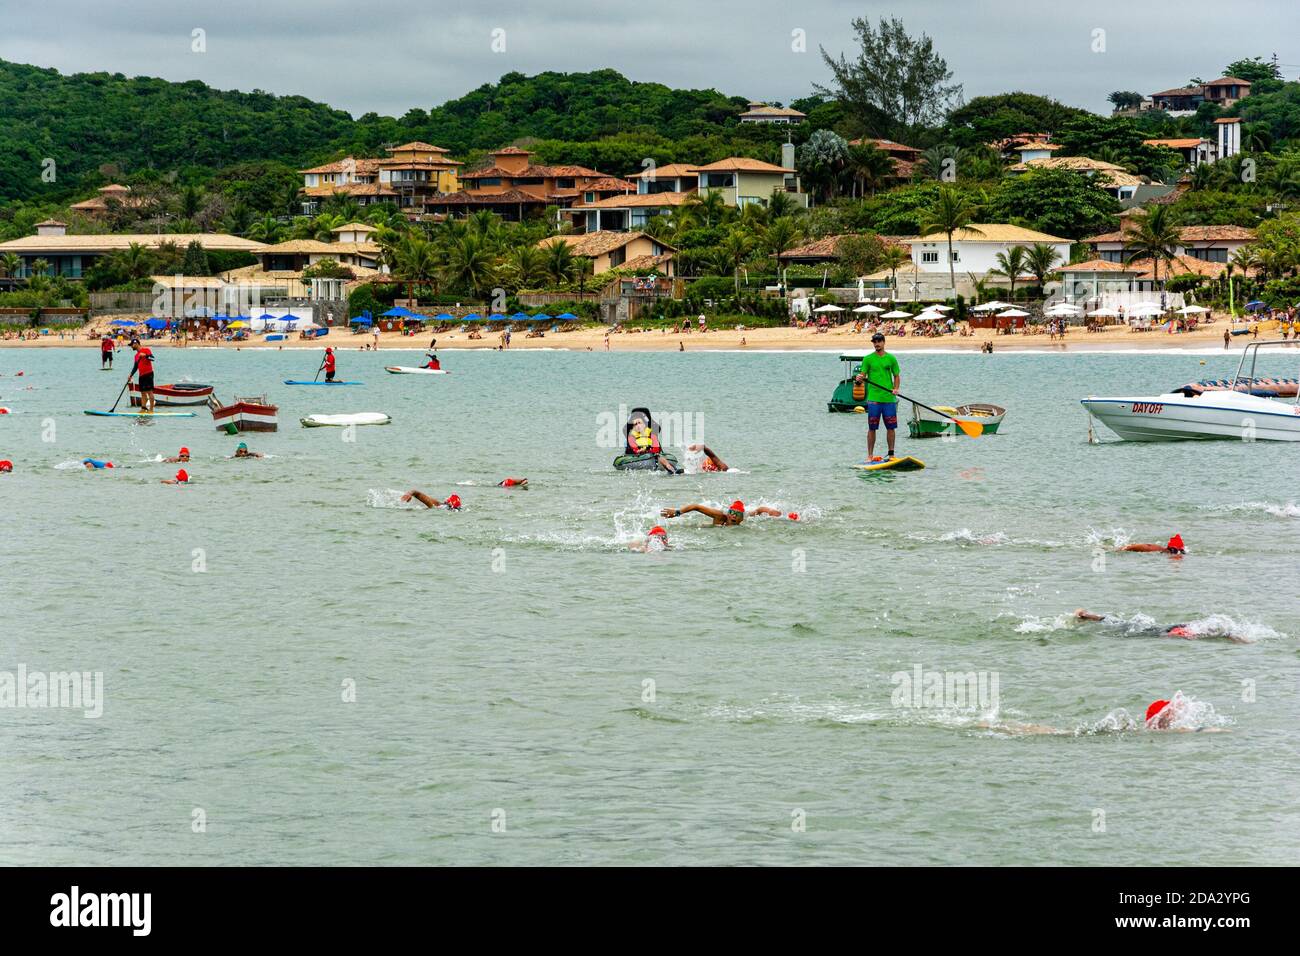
[[182, 475], [108, 464], [6, 465], [4, 411], [657, 531], [453, 501], [1176, 542], [509, 482], [793, 516], [1156, 707], [184, 451], [738, 506]]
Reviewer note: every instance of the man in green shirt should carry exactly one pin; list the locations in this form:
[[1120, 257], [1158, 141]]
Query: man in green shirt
[[879, 370]]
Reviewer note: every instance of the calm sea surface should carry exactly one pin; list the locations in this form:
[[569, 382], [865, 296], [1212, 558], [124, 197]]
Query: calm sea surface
[[308, 672]]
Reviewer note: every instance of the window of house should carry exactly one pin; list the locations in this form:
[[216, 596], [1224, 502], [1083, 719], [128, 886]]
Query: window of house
[[1112, 255], [719, 180], [566, 184], [588, 197], [929, 257], [490, 181], [617, 257], [956, 256]]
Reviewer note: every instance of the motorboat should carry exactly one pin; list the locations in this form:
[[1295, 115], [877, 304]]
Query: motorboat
[[1232, 412]]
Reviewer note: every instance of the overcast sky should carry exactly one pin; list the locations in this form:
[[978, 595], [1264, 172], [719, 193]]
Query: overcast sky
[[363, 55]]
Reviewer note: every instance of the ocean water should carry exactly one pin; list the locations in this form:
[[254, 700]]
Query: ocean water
[[299, 669]]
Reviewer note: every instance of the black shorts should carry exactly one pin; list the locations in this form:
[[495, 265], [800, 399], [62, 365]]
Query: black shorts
[[146, 381], [105, 354], [329, 376]]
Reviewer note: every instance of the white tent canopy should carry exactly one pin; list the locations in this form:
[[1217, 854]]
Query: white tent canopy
[[989, 306]]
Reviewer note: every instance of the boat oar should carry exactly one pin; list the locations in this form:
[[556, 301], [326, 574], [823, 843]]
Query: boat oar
[[973, 429]]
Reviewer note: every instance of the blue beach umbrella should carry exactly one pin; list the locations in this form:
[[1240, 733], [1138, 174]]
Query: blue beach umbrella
[[445, 317], [519, 317], [566, 315], [541, 317], [473, 317], [156, 323], [124, 323], [362, 320]]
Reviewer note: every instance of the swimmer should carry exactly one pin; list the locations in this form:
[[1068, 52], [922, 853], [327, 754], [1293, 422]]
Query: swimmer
[[243, 452], [513, 483], [656, 539], [94, 464], [734, 515], [182, 478], [711, 461], [1161, 715], [181, 456], [452, 503], [1174, 547], [1174, 630], [6, 466]]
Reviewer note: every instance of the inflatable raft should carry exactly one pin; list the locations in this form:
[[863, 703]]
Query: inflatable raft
[[636, 456], [645, 462]]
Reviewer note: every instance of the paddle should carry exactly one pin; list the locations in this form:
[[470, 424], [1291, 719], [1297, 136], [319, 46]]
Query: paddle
[[129, 375], [318, 371], [973, 429]]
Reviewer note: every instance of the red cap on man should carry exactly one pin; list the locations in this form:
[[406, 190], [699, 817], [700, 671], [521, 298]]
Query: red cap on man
[[1155, 708], [737, 506], [453, 502], [657, 532], [1175, 544], [6, 465], [182, 476]]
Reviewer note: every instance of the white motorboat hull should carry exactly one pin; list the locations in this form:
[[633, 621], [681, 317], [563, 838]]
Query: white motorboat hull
[[1175, 417]]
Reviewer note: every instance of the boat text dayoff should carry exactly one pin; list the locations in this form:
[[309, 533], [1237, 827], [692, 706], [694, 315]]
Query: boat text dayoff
[[1249, 414]]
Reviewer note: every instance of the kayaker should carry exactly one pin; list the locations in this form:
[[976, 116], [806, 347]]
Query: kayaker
[[243, 452], [144, 369], [711, 462], [182, 478], [656, 539], [181, 456], [433, 362], [106, 352], [513, 483], [452, 502], [1175, 630], [734, 515], [877, 369], [328, 364], [1174, 547]]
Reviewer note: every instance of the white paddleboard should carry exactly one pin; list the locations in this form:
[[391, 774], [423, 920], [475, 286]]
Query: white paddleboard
[[408, 370], [356, 418]]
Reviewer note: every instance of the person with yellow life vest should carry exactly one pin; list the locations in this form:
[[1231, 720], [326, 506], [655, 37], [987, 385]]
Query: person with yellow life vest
[[642, 440]]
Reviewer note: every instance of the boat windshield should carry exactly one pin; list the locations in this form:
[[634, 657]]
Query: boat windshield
[[1251, 354]]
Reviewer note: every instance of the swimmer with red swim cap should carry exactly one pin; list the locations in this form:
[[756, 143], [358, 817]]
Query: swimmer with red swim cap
[[6, 466], [182, 478], [94, 464], [656, 539], [513, 483], [1174, 547], [451, 503], [181, 456], [711, 461], [1175, 630], [734, 515]]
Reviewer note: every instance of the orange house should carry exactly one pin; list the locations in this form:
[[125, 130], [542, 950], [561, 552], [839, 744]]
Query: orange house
[[513, 186]]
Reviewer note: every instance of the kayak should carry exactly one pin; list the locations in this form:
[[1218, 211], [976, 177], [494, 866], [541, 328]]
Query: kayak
[[646, 462], [356, 418], [892, 464], [408, 370], [142, 414], [289, 381]]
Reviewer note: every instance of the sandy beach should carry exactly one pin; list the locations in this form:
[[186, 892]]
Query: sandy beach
[[730, 339]]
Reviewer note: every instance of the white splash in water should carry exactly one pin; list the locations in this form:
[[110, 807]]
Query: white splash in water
[[390, 498]]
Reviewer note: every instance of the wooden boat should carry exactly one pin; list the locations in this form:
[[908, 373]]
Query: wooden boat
[[926, 424], [179, 393], [248, 414]]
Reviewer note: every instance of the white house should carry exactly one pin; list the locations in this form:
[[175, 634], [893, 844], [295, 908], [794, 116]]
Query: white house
[[1207, 243], [1229, 136], [975, 249]]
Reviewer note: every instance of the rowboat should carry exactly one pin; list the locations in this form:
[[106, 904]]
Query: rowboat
[[926, 424], [341, 421], [1212, 413], [179, 393], [250, 414]]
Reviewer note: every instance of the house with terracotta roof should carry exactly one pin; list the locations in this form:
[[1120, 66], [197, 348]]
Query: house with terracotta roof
[[741, 180], [621, 213], [668, 178], [1193, 149], [1009, 146], [1092, 278], [411, 173], [1204, 243], [72, 256], [1113, 178], [762, 113], [514, 187], [904, 157], [975, 249], [114, 194], [827, 249], [1224, 92], [618, 250]]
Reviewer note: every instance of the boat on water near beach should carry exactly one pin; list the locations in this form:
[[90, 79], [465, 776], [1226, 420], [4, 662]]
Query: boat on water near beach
[[179, 393], [250, 414], [1238, 411], [926, 424], [849, 396]]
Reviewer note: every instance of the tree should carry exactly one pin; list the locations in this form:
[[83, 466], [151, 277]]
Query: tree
[[860, 254], [1155, 237], [195, 262], [823, 160], [1125, 100], [705, 208], [10, 263], [779, 235], [950, 212], [559, 261], [870, 167], [1060, 202], [896, 82], [469, 265], [735, 249], [526, 266], [1012, 263], [940, 162], [1254, 69], [893, 258], [1040, 259]]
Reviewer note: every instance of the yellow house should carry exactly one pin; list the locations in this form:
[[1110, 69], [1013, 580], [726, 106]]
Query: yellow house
[[742, 181], [422, 166]]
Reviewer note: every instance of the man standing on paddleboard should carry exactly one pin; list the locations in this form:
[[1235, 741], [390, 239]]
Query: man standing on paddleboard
[[144, 368], [878, 369], [329, 364]]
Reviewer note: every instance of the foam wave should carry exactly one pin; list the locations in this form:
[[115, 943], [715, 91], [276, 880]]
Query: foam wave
[[390, 498], [1209, 627], [1288, 510]]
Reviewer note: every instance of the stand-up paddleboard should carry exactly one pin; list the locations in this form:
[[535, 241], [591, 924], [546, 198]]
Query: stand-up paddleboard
[[289, 381], [408, 370], [892, 464], [356, 418], [142, 414]]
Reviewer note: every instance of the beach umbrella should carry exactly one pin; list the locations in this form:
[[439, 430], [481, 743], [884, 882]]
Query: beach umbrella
[[124, 323], [520, 317], [238, 324], [396, 312], [541, 317], [989, 306], [1192, 310], [938, 308], [496, 317], [473, 317], [566, 315], [362, 320], [1013, 314], [1145, 309], [897, 314], [155, 323], [1257, 304], [445, 317], [928, 317], [868, 308], [828, 308]]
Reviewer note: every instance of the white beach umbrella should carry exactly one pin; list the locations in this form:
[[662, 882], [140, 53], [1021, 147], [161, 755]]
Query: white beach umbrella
[[1192, 310], [1143, 309], [828, 308], [1105, 313], [868, 308], [938, 308], [896, 314], [989, 306], [1013, 314]]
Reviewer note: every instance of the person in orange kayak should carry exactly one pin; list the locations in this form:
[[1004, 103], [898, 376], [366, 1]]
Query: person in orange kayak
[[144, 369], [181, 456], [328, 364], [734, 515], [1175, 630], [1174, 547], [451, 503]]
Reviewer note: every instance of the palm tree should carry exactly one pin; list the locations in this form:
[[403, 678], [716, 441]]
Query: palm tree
[[41, 267], [1155, 237], [582, 267], [415, 260], [190, 202], [936, 160], [10, 263], [526, 265], [735, 249], [1013, 263], [951, 211], [267, 229], [1244, 259], [779, 235], [559, 261], [1256, 137], [893, 258], [870, 168], [469, 264], [707, 209], [1040, 260], [323, 226], [779, 204]]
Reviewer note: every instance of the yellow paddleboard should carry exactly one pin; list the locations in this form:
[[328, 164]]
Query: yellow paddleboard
[[892, 464]]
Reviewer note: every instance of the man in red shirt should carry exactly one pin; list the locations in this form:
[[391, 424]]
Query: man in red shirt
[[144, 367], [106, 352], [329, 365]]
